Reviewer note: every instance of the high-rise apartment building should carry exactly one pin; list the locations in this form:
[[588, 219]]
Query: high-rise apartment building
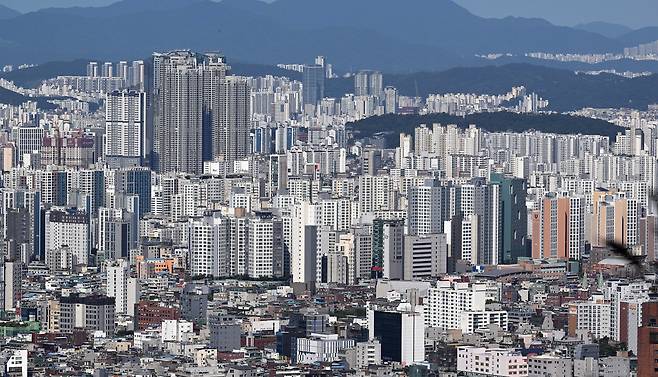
[[265, 246], [232, 120], [125, 128], [480, 205], [208, 246], [117, 232], [369, 83], [135, 181], [387, 248], [28, 141], [137, 75], [615, 218], [558, 227], [303, 251], [107, 70], [426, 209], [92, 69], [122, 286], [514, 218], [66, 227], [313, 84], [390, 100], [122, 70], [186, 95]]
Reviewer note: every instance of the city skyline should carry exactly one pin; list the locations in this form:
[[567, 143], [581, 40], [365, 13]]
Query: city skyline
[[327, 189]]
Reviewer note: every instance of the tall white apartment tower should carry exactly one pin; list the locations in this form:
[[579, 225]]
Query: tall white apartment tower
[[125, 126], [121, 286], [303, 252], [230, 136], [137, 75], [187, 97], [265, 246], [425, 215], [209, 245]]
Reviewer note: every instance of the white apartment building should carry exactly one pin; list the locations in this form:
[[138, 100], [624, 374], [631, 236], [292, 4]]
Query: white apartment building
[[491, 361], [173, 330], [480, 320], [120, 285], [375, 193], [424, 210], [304, 242], [125, 125], [593, 316], [208, 248], [447, 302], [68, 228], [265, 247], [615, 292], [549, 365]]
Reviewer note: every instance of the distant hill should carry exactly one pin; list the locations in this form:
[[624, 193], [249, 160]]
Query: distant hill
[[9, 97], [25, 6], [606, 29], [564, 89], [7, 13], [639, 36], [392, 124], [383, 34], [620, 65], [31, 77]]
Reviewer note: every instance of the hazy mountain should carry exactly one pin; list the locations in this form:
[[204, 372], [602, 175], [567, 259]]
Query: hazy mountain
[[12, 98], [606, 29], [633, 13], [423, 34], [121, 8], [564, 89], [6, 13], [34, 5], [435, 22], [639, 36]]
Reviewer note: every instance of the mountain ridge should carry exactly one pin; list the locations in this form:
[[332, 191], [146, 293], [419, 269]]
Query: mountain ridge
[[607, 29], [7, 13], [289, 31]]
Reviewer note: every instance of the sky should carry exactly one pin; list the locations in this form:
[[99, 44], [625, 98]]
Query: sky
[[632, 13]]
